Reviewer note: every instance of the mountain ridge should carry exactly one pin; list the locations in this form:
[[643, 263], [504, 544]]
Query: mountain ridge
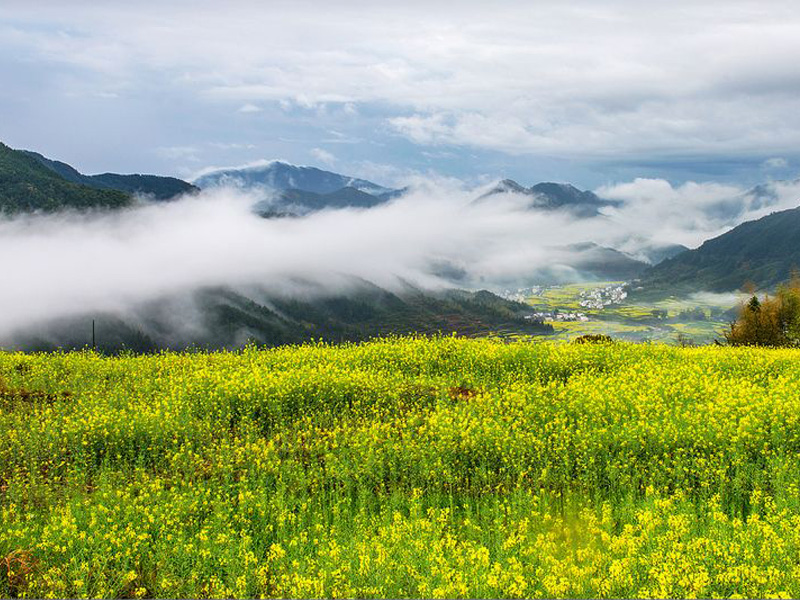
[[281, 175], [601, 262], [762, 251], [26, 185], [157, 186], [296, 190], [230, 319], [554, 196]]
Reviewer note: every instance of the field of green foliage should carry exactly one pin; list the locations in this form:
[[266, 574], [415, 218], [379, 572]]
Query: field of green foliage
[[402, 467]]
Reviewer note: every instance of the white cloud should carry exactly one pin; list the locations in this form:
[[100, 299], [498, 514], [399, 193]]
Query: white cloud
[[775, 163], [578, 79], [248, 108], [660, 191], [654, 209], [422, 129], [253, 164], [323, 156], [72, 264], [232, 145], [190, 153]]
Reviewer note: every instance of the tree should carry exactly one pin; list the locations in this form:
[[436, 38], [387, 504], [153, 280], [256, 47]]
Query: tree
[[771, 321]]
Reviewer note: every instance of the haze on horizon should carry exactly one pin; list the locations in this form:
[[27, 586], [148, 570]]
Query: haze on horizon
[[596, 93]]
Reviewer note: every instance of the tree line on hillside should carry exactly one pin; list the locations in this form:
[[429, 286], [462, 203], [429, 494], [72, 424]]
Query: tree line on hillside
[[771, 320]]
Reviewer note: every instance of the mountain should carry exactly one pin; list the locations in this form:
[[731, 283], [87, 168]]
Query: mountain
[[642, 248], [223, 318], [763, 252], [26, 185], [559, 195], [278, 175], [656, 254], [601, 263], [160, 188], [554, 196], [297, 190]]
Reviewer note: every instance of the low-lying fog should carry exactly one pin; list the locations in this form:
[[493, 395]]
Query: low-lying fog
[[68, 264]]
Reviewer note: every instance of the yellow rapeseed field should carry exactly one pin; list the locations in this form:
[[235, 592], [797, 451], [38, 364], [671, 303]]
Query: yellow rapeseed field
[[402, 467]]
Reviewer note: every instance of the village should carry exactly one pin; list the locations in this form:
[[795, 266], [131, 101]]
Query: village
[[558, 316], [599, 298]]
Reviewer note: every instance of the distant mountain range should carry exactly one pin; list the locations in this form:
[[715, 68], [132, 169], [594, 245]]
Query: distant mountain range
[[305, 189], [30, 182], [294, 189], [762, 251], [554, 196]]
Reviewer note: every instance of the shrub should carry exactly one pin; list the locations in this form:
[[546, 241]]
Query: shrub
[[597, 338]]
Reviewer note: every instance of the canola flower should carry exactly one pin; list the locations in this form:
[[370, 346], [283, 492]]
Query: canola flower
[[403, 467]]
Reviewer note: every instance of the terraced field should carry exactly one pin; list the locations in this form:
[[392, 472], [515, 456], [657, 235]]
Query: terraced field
[[698, 319]]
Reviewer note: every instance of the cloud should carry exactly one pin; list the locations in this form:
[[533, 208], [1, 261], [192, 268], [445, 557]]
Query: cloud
[[323, 156], [660, 191], [775, 163], [73, 264], [253, 164], [232, 145], [249, 108], [422, 129], [580, 80], [656, 210], [190, 153]]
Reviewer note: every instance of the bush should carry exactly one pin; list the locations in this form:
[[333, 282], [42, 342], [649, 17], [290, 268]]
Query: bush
[[597, 338]]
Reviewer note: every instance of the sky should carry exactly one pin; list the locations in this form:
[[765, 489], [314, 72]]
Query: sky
[[595, 92]]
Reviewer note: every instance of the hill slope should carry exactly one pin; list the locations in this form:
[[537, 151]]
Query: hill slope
[[605, 263], [223, 318], [160, 188], [26, 185], [763, 252]]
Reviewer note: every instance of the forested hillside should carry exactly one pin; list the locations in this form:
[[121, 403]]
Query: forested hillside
[[763, 252], [26, 185]]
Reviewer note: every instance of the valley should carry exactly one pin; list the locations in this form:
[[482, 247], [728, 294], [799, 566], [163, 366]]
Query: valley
[[399, 299], [653, 292], [607, 308]]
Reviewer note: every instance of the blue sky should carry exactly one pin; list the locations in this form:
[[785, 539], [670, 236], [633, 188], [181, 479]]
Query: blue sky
[[593, 92]]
